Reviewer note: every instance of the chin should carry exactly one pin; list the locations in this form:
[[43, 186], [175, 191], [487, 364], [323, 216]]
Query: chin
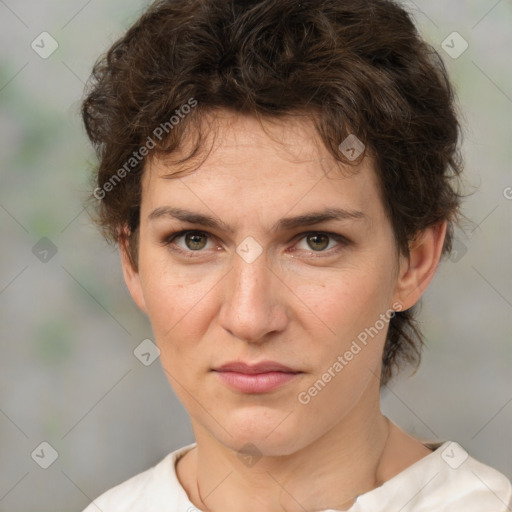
[[263, 429]]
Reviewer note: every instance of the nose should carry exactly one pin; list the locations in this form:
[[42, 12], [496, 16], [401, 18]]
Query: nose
[[253, 301]]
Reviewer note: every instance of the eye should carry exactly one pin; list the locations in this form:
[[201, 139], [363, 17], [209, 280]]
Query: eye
[[188, 242], [321, 242], [192, 241]]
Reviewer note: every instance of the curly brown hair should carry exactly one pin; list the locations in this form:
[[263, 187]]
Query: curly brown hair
[[352, 66]]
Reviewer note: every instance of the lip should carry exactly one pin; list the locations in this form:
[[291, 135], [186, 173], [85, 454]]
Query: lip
[[262, 377], [252, 369]]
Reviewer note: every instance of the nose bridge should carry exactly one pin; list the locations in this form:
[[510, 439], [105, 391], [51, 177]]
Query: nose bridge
[[252, 305], [252, 279]]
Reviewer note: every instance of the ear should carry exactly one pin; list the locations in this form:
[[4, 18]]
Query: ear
[[417, 270], [131, 273]]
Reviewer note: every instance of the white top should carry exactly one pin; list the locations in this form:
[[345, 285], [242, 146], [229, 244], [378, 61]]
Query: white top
[[446, 480]]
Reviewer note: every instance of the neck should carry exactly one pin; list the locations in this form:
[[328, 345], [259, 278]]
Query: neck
[[331, 472]]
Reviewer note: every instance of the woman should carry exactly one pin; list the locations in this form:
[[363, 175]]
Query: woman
[[281, 179]]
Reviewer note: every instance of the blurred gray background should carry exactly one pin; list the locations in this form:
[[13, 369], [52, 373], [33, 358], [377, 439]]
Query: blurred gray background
[[68, 375]]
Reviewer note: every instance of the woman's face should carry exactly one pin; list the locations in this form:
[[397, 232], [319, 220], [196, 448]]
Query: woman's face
[[253, 285]]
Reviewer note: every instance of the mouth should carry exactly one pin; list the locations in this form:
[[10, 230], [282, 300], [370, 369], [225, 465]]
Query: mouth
[[257, 378]]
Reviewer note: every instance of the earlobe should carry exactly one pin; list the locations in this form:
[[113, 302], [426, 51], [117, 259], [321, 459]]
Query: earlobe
[[131, 274], [417, 270]]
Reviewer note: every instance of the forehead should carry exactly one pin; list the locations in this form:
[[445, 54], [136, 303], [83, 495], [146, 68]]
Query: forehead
[[260, 164]]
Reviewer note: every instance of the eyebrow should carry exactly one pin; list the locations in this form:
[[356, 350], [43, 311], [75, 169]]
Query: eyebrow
[[287, 223]]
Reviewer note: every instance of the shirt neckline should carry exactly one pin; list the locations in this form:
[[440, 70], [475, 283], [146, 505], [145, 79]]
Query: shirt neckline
[[436, 448]]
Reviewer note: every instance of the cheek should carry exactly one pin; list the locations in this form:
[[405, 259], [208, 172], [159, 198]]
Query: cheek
[[346, 302], [347, 356], [175, 295], [347, 334]]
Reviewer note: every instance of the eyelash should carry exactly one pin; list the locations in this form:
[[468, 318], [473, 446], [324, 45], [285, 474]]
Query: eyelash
[[169, 239]]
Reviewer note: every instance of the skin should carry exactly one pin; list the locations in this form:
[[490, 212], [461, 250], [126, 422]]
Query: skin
[[301, 302]]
